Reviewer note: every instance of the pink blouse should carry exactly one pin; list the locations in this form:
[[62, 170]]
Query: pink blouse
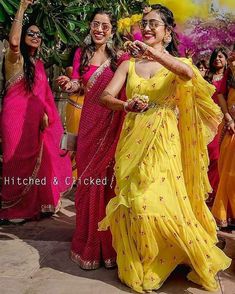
[[76, 64], [221, 87]]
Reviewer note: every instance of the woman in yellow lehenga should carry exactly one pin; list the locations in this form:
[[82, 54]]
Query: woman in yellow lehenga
[[224, 204], [158, 218]]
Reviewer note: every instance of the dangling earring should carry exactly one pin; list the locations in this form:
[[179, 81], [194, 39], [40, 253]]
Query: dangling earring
[[110, 42], [166, 40], [87, 41], [38, 53]]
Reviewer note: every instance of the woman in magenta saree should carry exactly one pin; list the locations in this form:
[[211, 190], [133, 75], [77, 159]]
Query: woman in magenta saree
[[34, 174], [97, 139]]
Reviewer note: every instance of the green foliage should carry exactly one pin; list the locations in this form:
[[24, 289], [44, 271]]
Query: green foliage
[[64, 23]]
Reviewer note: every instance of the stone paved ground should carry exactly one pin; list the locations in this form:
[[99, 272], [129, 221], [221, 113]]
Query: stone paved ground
[[34, 259]]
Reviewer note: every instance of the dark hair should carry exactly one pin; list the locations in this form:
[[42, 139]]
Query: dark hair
[[3, 88], [88, 51], [202, 62], [212, 69], [29, 67], [168, 18]]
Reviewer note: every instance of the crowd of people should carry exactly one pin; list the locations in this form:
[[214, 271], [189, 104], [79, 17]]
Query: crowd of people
[[219, 71], [155, 139]]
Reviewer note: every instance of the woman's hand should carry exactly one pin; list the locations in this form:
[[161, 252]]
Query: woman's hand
[[138, 49], [44, 122], [135, 105], [189, 53], [25, 3], [231, 126], [64, 82]]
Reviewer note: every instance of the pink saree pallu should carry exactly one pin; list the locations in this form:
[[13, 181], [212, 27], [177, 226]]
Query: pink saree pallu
[[35, 175], [97, 140]]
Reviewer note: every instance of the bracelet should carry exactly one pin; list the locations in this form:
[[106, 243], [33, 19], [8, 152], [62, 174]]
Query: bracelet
[[17, 20], [125, 105], [75, 85], [126, 44], [229, 122]]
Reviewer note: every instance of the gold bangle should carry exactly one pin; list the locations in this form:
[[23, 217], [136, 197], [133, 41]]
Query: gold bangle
[[126, 44], [229, 122], [17, 20], [125, 104]]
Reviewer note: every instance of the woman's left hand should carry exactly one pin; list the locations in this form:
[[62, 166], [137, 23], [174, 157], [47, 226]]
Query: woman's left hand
[[136, 105], [231, 127], [139, 49], [44, 122]]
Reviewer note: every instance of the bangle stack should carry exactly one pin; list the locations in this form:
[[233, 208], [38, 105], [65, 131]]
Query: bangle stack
[[17, 20], [126, 44], [75, 85], [229, 122], [125, 105]]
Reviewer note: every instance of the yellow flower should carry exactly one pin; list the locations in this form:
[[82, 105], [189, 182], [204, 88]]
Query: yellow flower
[[124, 24], [186, 9], [135, 18]]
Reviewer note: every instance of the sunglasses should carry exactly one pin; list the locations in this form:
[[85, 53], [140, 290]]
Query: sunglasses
[[152, 23], [96, 25], [34, 34]]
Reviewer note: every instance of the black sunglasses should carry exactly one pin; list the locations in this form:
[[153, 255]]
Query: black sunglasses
[[34, 34]]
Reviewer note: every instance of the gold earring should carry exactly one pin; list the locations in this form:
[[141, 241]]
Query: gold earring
[[166, 40]]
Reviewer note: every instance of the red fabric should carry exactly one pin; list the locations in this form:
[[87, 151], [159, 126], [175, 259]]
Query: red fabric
[[98, 135], [76, 64], [21, 142], [213, 147]]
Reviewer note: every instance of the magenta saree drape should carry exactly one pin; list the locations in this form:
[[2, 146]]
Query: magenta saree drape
[[34, 173], [97, 140]]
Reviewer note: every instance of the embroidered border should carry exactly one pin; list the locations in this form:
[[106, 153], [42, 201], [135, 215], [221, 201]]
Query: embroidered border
[[84, 264], [96, 74], [73, 103], [11, 203], [91, 265], [14, 80]]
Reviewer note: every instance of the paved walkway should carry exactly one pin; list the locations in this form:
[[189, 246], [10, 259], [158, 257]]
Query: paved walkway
[[34, 259]]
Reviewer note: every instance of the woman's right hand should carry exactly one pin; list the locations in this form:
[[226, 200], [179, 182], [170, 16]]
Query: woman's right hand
[[231, 127], [136, 105], [25, 3], [64, 82]]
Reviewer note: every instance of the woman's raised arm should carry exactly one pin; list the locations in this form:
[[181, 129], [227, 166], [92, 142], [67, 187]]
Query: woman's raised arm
[[16, 30]]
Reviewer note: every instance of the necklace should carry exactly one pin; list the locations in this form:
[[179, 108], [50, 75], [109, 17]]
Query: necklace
[[218, 77]]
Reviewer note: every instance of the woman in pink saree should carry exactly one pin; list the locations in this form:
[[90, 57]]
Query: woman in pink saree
[[217, 76], [33, 180], [98, 134]]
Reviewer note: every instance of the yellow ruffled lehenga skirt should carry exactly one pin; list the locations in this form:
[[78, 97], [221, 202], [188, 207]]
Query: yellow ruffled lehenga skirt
[[73, 115], [159, 218]]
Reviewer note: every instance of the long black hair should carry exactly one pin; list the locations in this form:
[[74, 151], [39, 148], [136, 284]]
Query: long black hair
[[169, 21], [29, 67], [88, 50], [212, 69]]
